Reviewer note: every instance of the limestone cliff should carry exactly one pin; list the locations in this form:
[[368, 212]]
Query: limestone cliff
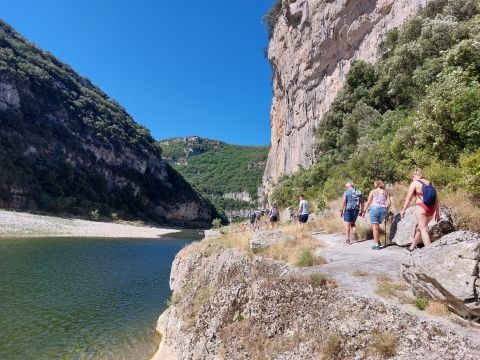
[[66, 147], [312, 48]]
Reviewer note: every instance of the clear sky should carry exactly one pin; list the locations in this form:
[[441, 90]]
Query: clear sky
[[179, 67]]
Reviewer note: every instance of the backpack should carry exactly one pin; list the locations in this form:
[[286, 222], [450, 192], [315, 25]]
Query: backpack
[[353, 199], [274, 212], [429, 194], [253, 216]]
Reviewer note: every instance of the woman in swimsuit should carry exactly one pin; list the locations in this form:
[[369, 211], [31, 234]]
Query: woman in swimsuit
[[423, 213]]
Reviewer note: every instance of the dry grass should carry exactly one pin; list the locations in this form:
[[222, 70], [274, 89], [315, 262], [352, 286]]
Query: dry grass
[[437, 309], [466, 210], [333, 346], [201, 297], [297, 252], [385, 344], [388, 288], [322, 280], [364, 233], [360, 273], [331, 224]]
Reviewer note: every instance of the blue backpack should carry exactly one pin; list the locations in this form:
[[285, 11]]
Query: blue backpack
[[429, 194]]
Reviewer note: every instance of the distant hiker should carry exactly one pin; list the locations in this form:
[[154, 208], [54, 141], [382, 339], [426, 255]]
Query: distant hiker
[[258, 218], [352, 206], [252, 217], [427, 206], [302, 212], [273, 215], [380, 201]]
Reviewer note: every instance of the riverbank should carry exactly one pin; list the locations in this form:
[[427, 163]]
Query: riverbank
[[330, 300], [18, 224]]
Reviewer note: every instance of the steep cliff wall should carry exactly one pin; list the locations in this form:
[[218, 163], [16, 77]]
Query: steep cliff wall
[[66, 147], [313, 45]]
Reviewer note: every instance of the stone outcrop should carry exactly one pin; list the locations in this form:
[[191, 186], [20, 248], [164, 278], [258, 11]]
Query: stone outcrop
[[231, 305], [402, 230], [263, 239], [312, 48], [448, 271]]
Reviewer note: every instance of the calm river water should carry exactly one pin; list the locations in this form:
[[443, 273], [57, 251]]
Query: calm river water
[[83, 298]]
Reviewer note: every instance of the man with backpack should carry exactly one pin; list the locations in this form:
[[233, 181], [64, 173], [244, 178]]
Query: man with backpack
[[352, 206]]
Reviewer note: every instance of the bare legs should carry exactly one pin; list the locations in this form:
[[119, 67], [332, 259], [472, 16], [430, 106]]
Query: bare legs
[[376, 234], [347, 232], [350, 229], [421, 233]]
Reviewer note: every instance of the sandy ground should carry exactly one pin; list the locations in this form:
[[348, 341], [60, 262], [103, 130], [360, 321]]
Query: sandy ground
[[16, 224]]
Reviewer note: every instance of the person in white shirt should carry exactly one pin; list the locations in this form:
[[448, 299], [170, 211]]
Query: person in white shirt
[[302, 212]]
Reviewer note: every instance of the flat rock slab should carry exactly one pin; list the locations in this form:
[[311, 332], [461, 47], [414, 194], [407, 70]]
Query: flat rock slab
[[448, 271], [263, 239], [345, 261], [403, 230]]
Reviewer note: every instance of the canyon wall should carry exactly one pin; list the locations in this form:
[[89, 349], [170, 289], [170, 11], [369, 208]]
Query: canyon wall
[[67, 148], [312, 48]]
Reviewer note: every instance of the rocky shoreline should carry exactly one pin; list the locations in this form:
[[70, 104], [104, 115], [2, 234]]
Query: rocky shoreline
[[18, 224], [232, 304]]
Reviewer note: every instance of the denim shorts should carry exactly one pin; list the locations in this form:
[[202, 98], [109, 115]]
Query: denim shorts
[[350, 216], [378, 215]]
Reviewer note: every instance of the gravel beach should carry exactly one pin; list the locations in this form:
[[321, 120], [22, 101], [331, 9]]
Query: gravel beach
[[17, 224]]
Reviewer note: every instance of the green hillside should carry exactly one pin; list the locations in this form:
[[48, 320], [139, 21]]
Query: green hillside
[[418, 106], [216, 168], [66, 147]]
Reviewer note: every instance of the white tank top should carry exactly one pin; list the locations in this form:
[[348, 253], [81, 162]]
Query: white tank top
[[379, 199]]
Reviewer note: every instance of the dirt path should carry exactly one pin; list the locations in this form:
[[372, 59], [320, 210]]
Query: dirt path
[[16, 224]]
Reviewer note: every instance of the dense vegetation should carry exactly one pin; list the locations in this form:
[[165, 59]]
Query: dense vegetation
[[418, 106], [216, 168], [66, 147]]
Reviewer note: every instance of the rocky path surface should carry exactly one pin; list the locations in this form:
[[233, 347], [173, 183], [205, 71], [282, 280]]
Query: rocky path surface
[[344, 261], [347, 262], [16, 224]]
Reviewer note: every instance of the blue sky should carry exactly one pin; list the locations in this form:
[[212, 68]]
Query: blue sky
[[180, 68]]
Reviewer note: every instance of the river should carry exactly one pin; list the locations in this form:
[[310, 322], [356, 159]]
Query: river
[[69, 298]]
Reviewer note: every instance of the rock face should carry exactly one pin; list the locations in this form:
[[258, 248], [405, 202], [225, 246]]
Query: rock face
[[448, 271], [311, 51], [66, 147], [229, 305], [263, 239], [402, 230]]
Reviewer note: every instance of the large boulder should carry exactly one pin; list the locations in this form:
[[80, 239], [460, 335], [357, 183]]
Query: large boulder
[[448, 271], [263, 239], [403, 230]]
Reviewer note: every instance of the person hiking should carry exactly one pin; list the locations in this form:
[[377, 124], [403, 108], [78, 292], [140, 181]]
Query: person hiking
[[258, 219], [380, 201], [252, 217], [273, 216], [302, 212], [427, 207], [352, 206]]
